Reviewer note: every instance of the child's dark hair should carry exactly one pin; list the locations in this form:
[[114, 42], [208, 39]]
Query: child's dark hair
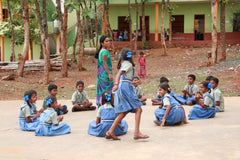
[[53, 98], [192, 76], [79, 82], [51, 87], [107, 97], [207, 85], [102, 39], [163, 79], [141, 53], [136, 77], [29, 94], [215, 80], [165, 87], [208, 78], [124, 57]]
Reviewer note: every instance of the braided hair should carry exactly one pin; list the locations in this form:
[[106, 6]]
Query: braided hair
[[28, 95], [124, 57]]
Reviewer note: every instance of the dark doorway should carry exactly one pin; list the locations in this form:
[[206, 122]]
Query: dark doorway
[[147, 26], [123, 26], [178, 24], [199, 27]]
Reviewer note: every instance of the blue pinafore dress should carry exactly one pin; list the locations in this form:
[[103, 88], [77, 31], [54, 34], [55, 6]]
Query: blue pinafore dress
[[31, 126], [108, 116], [47, 129], [125, 99], [176, 114], [198, 112]]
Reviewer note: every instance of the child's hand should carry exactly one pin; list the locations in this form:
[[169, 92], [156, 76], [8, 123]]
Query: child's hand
[[60, 118], [162, 124], [184, 91], [38, 114], [115, 88], [110, 77]]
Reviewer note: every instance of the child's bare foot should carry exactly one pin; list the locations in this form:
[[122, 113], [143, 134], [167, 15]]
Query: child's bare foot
[[139, 135]]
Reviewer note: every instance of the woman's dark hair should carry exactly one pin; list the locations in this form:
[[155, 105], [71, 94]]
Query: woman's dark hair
[[29, 94], [206, 85], [105, 99], [124, 57], [102, 39], [165, 87], [53, 98]]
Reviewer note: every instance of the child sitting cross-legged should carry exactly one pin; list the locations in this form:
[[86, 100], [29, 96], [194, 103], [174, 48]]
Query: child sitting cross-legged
[[217, 94], [49, 121], [80, 99], [138, 90], [105, 117]]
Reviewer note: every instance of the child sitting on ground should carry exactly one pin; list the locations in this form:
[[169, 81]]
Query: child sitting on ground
[[171, 111], [189, 91], [80, 99], [52, 90], [49, 121], [105, 117], [28, 115], [138, 90], [205, 107], [158, 100], [217, 94]]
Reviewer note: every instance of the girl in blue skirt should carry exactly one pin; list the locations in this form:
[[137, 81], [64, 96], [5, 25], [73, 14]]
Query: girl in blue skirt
[[205, 107], [125, 99], [28, 115], [171, 111], [105, 117], [49, 121]]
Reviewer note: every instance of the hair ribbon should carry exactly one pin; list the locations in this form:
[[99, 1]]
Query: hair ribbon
[[129, 54], [26, 98], [49, 101], [108, 97], [209, 85], [119, 56]]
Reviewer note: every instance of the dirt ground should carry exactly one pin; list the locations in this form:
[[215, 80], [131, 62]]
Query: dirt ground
[[179, 62], [209, 139]]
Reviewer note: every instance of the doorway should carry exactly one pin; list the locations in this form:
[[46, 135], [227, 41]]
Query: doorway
[[199, 27]]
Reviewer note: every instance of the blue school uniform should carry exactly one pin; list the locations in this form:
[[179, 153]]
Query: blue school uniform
[[108, 115], [26, 111], [176, 114], [198, 112], [47, 127], [125, 99]]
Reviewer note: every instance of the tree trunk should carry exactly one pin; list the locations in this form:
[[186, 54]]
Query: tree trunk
[[222, 32], [74, 47], [135, 46], [214, 32], [91, 28], [130, 24], [88, 35], [80, 30], [64, 43], [143, 24], [23, 56], [12, 32], [170, 23], [109, 30], [164, 52], [96, 22]]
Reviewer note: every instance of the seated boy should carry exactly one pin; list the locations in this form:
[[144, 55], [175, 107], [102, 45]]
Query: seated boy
[[157, 101], [188, 92], [52, 89], [80, 99], [138, 90], [217, 94]]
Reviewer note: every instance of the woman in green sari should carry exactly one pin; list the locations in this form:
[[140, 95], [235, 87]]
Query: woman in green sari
[[104, 72]]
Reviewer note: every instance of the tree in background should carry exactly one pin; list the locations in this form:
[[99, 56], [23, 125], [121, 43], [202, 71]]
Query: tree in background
[[136, 38], [130, 23], [164, 48], [143, 23], [213, 58]]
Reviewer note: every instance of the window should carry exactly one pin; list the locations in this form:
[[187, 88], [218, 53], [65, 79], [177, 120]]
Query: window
[[236, 22], [178, 24]]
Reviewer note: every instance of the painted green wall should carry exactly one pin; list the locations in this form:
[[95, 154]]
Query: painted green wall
[[18, 50], [188, 10]]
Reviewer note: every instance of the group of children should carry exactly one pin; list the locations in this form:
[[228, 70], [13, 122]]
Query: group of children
[[126, 97]]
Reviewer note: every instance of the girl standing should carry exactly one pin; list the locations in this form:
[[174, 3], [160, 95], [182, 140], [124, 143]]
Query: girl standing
[[105, 117], [28, 115], [104, 71], [142, 65], [49, 121], [171, 112], [126, 99], [205, 107]]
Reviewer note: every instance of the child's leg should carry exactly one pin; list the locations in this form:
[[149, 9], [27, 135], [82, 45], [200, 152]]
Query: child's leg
[[117, 121], [137, 133], [185, 118]]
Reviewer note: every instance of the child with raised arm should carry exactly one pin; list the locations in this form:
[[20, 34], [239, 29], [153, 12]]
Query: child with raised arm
[[49, 121], [125, 99], [217, 94], [80, 99], [138, 90], [105, 117], [28, 115], [205, 107], [52, 90], [171, 111], [189, 91]]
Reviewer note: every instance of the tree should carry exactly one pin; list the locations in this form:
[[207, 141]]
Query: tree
[[136, 38], [109, 30], [222, 30], [213, 59], [44, 37], [143, 23], [22, 57], [130, 23], [164, 48], [170, 10]]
